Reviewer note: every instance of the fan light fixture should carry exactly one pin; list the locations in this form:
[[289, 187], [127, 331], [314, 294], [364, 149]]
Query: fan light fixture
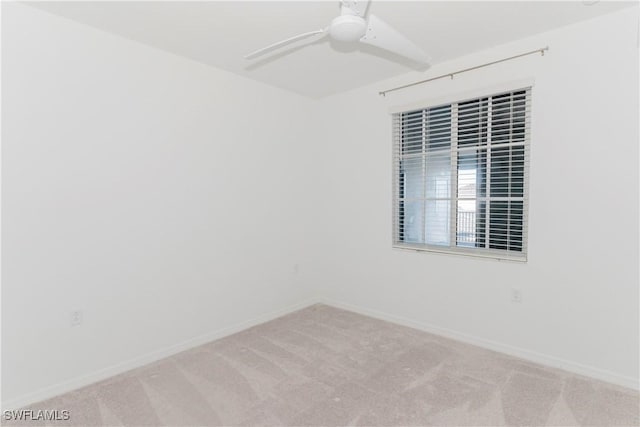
[[347, 28]]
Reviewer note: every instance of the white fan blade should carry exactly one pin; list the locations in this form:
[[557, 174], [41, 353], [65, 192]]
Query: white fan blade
[[282, 43], [382, 35]]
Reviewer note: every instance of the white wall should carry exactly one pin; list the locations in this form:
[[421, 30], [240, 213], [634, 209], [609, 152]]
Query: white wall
[[580, 286], [151, 192]]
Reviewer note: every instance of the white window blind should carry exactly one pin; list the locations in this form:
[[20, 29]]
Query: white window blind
[[461, 176]]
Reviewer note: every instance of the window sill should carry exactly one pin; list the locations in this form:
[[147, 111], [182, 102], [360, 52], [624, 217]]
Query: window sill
[[486, 254]]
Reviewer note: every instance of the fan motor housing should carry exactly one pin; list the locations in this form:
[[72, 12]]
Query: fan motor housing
[[348, 28]]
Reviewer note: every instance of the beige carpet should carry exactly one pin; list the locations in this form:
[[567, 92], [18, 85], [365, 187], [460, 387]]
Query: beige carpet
[[324, 366]]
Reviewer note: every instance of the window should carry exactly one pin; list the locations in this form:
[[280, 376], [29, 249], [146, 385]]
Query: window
[[460, 176]]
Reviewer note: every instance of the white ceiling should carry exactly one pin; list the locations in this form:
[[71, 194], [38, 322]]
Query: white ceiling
[[221, 33]]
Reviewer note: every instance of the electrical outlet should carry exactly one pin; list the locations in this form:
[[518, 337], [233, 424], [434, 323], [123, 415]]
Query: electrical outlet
[[516, 295], [76, 318]]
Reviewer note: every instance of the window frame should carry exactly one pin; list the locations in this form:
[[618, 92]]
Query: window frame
[[453, 248]]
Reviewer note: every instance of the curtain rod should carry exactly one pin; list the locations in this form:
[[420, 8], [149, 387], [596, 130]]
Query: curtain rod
[[541, 51]]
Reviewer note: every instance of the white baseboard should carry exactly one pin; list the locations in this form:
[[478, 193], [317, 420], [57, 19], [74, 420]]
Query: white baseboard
[[78, 382], [543, 359]]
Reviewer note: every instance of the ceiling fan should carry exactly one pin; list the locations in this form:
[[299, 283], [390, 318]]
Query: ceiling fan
[[354, 25]]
